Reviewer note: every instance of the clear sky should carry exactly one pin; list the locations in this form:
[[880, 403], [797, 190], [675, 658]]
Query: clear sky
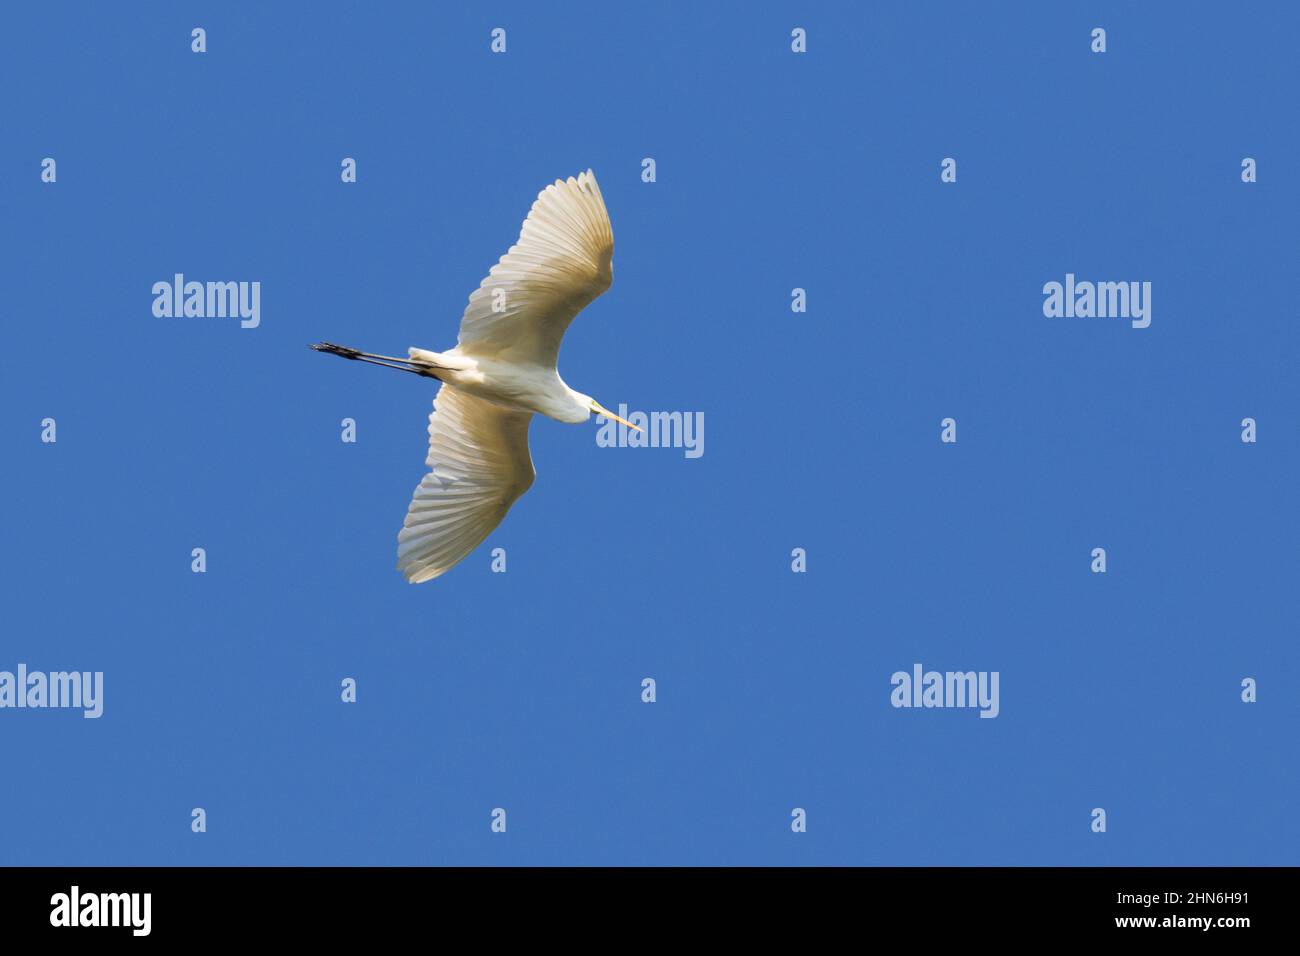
[[522, 690]]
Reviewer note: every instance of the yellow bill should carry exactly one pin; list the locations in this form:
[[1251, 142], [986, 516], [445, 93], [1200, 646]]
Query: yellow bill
[[600, 409]]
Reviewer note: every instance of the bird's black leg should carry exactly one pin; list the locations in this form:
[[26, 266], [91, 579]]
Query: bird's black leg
[[387, 361]]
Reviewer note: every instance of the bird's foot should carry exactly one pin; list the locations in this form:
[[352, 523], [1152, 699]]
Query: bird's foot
[[340, 350]]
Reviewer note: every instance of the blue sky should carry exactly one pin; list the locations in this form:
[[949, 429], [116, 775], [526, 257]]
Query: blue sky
[[522, 690]]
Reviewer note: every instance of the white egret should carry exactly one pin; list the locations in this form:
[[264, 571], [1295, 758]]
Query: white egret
[[500, 373]]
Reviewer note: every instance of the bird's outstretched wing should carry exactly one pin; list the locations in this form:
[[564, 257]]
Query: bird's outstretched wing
[[561, 262], [478, 453]]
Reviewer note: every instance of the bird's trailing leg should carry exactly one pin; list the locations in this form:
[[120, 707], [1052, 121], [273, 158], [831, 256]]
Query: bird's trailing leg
[[387, 361]]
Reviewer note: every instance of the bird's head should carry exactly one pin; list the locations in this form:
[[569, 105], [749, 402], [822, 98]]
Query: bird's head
[[598, 409]]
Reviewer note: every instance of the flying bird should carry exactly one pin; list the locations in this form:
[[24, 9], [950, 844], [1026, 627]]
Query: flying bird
[[502, 372]]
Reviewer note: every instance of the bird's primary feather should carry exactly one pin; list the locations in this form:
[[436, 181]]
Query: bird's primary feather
[[478, 449], [478, 453], [562, 261]]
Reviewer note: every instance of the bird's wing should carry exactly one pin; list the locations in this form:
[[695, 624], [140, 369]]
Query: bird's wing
[[561, 262], [478, 453]]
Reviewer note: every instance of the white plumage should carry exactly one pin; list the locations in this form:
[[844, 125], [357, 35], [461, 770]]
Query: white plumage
[[500, 373], [480, 465], [562, 261]]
